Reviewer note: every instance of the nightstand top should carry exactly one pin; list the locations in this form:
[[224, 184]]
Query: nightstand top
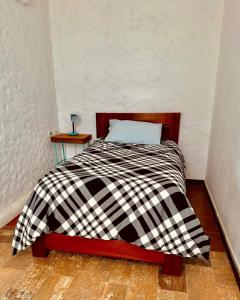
[[71, 139]]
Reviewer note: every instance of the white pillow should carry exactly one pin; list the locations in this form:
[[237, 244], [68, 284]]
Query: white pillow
[[134, 132]]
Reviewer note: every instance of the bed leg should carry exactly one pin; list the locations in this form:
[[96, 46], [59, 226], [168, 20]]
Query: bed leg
[[39, 249], [172, 265]]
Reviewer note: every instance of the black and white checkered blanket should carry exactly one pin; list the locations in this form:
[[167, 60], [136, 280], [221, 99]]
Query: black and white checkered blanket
[[129, 192]]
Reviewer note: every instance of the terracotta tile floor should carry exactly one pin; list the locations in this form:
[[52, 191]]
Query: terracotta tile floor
[[67, 276]]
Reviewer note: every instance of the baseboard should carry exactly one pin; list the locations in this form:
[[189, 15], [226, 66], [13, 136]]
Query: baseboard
[[232, 258], [11, 211], [195, 181]]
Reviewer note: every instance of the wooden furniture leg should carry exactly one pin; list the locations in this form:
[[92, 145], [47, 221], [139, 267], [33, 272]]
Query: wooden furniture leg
[[39, 248], [172, 265]]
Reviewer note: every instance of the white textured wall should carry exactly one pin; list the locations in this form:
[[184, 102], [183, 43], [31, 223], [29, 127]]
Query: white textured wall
[[139, 56], [223, 172], [27, 101]]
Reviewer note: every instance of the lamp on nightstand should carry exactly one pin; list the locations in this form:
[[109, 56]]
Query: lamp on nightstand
[[74, 119]]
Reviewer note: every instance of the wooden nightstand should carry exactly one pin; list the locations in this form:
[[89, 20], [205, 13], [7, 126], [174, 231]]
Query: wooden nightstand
[[64, 138]]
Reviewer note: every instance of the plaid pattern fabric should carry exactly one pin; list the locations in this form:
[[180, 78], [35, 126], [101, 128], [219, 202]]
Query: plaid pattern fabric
[[129, 192]]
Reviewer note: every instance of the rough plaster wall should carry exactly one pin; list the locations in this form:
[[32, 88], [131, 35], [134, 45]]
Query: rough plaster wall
[[27, 101], [139, 56], [223, 172]]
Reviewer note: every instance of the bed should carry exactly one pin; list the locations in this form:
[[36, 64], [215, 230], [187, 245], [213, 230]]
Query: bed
[[39, 228]]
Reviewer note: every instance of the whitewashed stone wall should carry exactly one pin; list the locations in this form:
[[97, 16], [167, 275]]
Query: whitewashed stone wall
[[139, 56], [27, 101], [223, 171]]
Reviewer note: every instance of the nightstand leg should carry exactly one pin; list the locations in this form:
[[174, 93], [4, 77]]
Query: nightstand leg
[[55, 153], [64, 152], [86, 145]]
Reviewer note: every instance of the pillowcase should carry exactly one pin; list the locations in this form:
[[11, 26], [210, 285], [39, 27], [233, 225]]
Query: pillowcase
[[134, 132]]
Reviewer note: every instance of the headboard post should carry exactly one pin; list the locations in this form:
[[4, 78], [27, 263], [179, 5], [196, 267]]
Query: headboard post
[[170, 121]]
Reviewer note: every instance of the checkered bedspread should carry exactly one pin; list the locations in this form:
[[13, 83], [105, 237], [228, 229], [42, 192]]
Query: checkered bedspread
[[129, 192]]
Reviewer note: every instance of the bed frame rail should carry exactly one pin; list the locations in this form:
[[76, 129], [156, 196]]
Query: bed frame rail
[[171, 264]]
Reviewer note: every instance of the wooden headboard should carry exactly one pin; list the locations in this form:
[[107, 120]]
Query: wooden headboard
[[170, 121]]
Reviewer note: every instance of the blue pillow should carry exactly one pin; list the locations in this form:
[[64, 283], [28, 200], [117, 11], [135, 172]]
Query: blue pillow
[[134, 132]]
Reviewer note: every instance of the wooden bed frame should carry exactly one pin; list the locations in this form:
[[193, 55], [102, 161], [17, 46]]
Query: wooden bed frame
[[171, 264]]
